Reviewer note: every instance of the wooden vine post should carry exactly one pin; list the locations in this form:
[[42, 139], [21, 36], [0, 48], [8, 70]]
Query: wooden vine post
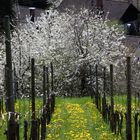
[[104, 94], [11, 132], [111, 89], [25, 130], [44, 86], [90, 89], [43, 119], [128, 114], [0, 105], [33, 87], [112, 98], [52, 89], [34, 123], [48, 96], [47, 80], [97, 90], [52, 86]]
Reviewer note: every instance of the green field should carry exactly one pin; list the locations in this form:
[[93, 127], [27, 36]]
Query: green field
[[78, 119], [73, 119], [23, 107]]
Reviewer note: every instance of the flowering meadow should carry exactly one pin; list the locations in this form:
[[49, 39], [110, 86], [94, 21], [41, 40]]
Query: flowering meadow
[[78, 119]]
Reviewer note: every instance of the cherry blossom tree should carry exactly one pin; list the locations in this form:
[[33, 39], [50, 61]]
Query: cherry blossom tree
[[72, 41]]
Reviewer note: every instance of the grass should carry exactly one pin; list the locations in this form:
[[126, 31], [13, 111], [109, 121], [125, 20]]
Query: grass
[[120, 103], [23, 107], [74, 119], [78, 119]]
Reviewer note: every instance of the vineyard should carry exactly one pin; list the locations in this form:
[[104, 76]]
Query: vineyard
[[68, 77]]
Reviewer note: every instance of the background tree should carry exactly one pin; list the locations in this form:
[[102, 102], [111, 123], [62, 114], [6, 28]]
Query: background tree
[[72, 41]]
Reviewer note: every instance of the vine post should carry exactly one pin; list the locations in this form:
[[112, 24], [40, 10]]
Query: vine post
[[128, 114], [52, 89], [112, 98], [11, 132], [104, 94], [111, 89], [34, 123], [97, 90], [43, 119]]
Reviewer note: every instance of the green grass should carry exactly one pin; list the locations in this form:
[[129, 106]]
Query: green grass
[[23, 107], [121, 102], [89, 121], [94, 124]]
